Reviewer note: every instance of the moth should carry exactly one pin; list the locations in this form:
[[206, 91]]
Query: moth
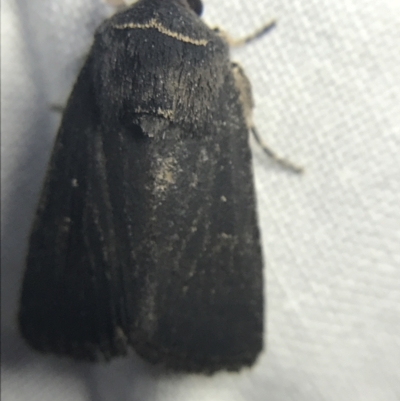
[[146, 232]]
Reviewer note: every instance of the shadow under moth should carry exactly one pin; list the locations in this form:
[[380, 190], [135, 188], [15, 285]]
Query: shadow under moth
[[146, 233]]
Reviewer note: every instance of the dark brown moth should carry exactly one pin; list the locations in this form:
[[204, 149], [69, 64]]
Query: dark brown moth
[[146, 232]]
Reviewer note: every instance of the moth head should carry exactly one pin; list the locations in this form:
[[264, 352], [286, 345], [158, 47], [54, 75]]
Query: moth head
[[196, 6]]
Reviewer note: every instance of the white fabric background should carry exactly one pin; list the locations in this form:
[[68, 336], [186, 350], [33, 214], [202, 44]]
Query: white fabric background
[[327, 88]]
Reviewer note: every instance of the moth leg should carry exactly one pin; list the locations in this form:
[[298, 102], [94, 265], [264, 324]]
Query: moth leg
[[246, 99], [238, 42], [119, 5], [285, 163], [115, 3], [57, 108]]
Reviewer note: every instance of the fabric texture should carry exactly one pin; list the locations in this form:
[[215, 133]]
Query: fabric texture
[[326, 84]]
